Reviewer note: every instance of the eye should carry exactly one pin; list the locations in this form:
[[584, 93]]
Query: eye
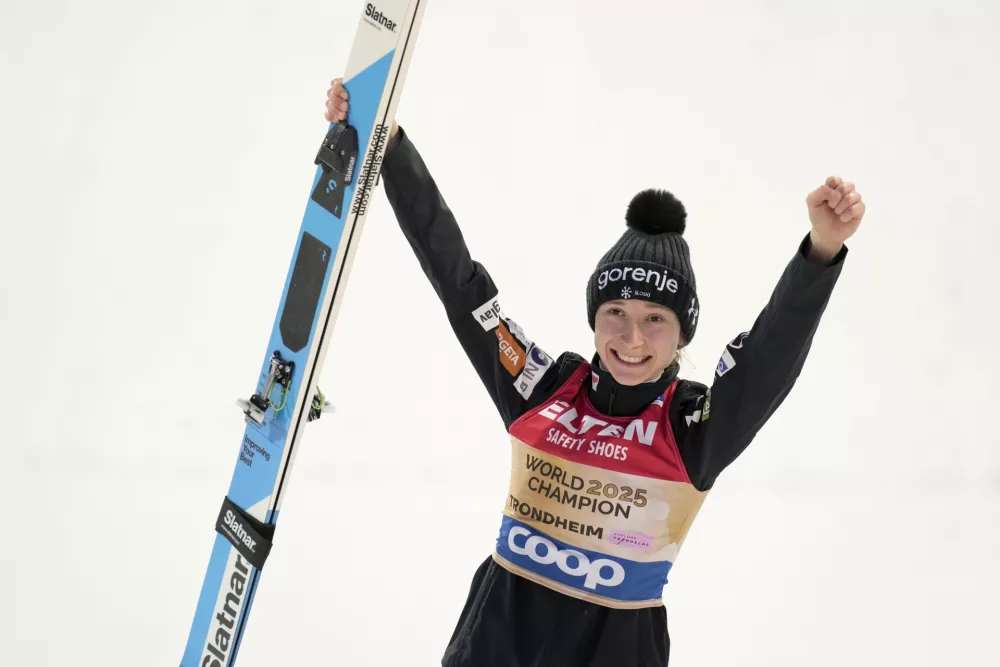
[[657, 318], [612, 310]]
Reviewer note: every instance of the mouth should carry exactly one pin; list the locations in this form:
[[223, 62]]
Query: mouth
[[629, 360]]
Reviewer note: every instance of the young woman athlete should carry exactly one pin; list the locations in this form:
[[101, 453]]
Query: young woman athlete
[[611, 457]]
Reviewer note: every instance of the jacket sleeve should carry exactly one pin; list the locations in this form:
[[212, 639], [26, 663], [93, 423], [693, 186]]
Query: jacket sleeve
[[756, 371], [517, 373]]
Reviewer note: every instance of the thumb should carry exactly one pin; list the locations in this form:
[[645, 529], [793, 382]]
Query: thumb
[[820, 196]]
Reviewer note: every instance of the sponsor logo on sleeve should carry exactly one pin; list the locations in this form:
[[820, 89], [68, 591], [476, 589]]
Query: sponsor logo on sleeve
[[726, 363], [488, 315], [707, 406], [537, 364], [737, 343], [518, 332], [512, 355]]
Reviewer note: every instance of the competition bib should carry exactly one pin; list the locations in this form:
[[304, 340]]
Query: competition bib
[[598, 506]]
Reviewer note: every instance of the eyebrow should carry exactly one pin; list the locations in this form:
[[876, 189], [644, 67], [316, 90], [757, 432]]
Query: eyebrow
[[647, 306]]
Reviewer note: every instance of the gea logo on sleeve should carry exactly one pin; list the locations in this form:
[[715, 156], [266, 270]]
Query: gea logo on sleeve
[[511, 354]]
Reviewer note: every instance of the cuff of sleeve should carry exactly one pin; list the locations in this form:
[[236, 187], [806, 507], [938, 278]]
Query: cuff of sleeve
[[806, 245], [395, 140]]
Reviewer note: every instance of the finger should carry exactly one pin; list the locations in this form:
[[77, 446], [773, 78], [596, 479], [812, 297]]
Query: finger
[[834, 181], [849, 200], [855, 212], [819, 196], [835, 198], [845, 188], [337, 88], [337, 105]]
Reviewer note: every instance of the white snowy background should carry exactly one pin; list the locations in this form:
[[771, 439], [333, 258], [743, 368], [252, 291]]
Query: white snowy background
[[156, 159]]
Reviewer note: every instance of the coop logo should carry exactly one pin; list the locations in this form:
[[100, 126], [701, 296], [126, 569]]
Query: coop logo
[[570, 561], [661, 280], [372, 12], [222, 629]]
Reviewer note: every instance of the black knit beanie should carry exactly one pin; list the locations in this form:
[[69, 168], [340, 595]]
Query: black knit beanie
[[650, 261]]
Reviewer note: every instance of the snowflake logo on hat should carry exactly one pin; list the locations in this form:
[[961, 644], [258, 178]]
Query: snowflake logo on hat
[[626, 292]]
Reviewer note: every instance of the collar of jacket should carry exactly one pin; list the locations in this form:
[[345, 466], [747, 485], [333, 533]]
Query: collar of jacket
[[619, 400]]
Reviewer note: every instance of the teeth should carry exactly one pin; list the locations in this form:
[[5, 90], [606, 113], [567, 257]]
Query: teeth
[[630, 360]]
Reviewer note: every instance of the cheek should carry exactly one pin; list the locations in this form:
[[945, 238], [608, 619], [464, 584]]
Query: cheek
[[664, 340], [601, 337], [604, 330]]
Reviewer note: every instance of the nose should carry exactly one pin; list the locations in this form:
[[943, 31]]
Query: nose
[[632, 335]]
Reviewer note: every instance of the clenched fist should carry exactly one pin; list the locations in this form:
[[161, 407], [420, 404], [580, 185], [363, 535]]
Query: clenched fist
[[835, 210], [336, 101], [337, 106]]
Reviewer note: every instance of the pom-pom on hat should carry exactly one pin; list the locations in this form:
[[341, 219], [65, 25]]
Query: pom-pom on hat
[[649, 261]]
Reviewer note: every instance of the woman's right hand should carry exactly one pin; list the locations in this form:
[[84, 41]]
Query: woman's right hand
[[337, 106], [336, 101]]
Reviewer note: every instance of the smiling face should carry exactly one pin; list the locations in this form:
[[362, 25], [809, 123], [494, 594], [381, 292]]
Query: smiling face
[[636, 339]]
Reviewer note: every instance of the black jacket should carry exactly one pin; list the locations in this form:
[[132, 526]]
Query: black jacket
[[508, 620]]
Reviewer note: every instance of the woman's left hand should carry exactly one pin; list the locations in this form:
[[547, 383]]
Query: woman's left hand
[[835, 210]]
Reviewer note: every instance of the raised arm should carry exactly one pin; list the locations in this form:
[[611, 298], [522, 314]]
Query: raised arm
[[515, 372], [758, 368]]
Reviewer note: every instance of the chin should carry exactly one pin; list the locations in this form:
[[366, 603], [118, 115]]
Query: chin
[[630, 380]]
